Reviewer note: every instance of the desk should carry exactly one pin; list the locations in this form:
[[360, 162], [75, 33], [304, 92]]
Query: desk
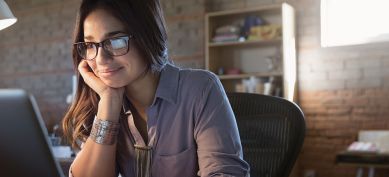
[[363, 160]]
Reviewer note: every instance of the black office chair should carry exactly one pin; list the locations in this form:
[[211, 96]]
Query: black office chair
[[272, 132]]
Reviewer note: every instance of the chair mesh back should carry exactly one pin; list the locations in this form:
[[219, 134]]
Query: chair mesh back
[[272, 131]]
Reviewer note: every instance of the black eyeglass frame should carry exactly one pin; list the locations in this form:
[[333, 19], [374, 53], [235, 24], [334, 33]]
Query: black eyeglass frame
[[102, 44]]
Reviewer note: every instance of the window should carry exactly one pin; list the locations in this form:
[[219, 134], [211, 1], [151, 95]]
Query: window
[[350, 22]]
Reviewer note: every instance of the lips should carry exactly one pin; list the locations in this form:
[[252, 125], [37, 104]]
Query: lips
[[109, 71]]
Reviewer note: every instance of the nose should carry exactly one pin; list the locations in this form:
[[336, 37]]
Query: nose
[[102, 57]]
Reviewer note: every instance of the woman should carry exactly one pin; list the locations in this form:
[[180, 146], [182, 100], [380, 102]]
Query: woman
[[136, 114]]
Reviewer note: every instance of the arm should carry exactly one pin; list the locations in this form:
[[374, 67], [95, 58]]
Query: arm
[[217, 136], [96, 159]]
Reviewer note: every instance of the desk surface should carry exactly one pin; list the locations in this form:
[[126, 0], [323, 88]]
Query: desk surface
[[377, 160]]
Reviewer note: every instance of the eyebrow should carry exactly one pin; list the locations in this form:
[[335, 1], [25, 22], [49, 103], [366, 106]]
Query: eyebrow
[[110, 34]]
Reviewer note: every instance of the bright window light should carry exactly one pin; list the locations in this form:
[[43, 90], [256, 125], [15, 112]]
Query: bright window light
[[350, 22]]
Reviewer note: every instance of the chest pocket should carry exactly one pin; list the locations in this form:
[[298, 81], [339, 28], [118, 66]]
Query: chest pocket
[[177, 165]]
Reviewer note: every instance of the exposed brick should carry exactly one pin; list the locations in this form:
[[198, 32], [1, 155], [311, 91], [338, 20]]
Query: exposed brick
[[32, 60], [357, 102], [323, 124], [312, 76], [341, 89], [345, 74], [374, 73], [327, 66], [364, 83], [322, 85], [363, 63], [339, 111]]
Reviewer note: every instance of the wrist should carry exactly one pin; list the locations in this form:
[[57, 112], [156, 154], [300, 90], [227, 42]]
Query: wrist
[[109, 107], [104, 132], [112, 94]]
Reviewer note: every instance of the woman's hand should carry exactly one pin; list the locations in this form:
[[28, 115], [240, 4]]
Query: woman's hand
[[111, 99], [94, 82]]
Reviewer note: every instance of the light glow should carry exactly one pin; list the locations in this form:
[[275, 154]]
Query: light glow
[[6, 17], [350, 22], [7, 22], [289, 51]]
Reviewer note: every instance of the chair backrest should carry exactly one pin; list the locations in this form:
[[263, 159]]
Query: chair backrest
[[272, 132]]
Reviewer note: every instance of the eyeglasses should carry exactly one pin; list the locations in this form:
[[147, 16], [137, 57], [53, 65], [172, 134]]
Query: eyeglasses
[[117, 46]]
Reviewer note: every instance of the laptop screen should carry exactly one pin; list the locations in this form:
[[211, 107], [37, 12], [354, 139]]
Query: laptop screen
[[24, 144]]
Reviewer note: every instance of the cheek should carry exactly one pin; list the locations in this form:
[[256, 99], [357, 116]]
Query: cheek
[[132, 61], [136, 58]]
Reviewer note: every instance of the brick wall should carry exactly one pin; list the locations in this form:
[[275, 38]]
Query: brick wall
[[35, 53], [185, 23], [341, 90]]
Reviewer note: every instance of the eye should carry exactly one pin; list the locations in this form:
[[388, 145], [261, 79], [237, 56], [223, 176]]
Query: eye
[[89, 45], [118, 43]]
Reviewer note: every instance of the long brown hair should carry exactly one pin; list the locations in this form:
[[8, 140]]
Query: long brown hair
[[144, 20]]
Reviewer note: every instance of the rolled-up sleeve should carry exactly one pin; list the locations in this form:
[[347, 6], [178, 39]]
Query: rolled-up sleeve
[[216, 134]]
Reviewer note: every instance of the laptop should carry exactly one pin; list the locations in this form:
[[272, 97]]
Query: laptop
[[24, 143]]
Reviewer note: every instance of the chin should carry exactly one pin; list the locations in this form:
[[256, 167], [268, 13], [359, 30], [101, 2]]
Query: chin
[[114, 84]]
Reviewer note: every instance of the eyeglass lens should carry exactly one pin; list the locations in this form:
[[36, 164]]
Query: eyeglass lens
[[113, 47]]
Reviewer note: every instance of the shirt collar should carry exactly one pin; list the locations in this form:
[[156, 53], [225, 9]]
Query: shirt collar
[[168, 84], [166, 89], [126, 106]]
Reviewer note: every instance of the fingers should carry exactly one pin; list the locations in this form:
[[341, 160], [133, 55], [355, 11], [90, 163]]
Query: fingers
[[84, 71], [95, 82], [90, 78], [83, 67]]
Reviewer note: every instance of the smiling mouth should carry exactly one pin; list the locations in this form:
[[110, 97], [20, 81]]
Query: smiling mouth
[[109, 71]]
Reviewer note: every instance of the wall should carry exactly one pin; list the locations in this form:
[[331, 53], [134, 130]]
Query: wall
[[185, 23], [35, 53], [341, 90]]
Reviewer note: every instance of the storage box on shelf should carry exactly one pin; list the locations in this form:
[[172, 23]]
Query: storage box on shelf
[[253, 49]]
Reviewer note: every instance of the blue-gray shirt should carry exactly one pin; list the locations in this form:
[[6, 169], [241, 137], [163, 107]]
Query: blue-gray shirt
[[191, 128]]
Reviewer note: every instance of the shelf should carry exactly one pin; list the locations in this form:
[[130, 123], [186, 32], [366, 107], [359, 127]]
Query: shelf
[[250, 55], [273, 7], [237, 43], [247, 75]]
